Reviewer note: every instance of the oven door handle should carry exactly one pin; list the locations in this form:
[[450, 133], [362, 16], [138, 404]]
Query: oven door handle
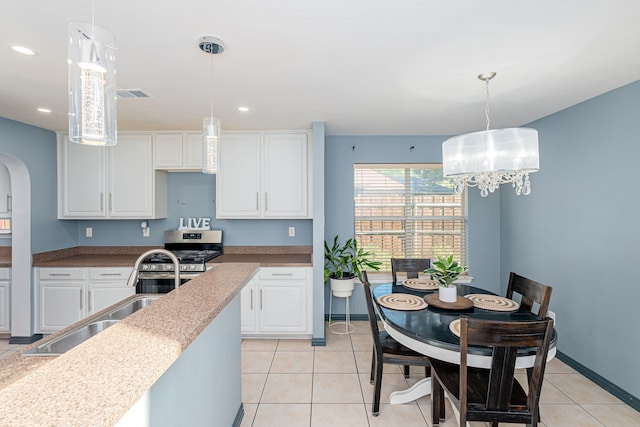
[[170, 276]]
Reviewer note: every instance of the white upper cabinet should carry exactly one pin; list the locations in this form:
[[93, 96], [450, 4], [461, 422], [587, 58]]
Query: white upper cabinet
[[5, 191], [238, 180], [178, 151], [264, 175], [116, 182]]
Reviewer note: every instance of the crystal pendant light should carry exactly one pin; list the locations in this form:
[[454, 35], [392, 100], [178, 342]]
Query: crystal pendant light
[[211, 126], [92, 85], [489, 158]]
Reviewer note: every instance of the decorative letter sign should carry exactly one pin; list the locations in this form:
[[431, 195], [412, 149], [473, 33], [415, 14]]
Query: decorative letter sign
[[195, 224]]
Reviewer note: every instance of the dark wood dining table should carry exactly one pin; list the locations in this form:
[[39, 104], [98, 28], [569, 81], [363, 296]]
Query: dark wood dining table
[[427, 331]]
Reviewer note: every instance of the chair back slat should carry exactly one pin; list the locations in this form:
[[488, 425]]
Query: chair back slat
[[531, 291], [411, 266]]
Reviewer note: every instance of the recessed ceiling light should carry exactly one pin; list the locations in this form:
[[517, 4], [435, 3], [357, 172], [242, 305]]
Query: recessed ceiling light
[[44, 109], [23, 50], [243, 109]]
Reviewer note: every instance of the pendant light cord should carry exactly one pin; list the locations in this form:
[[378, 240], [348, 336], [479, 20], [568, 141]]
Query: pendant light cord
[[486, 108], [211, 88]]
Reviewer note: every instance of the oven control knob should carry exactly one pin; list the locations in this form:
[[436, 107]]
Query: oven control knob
[[153, 267], [192, 267], [183, 267], [144, 267]]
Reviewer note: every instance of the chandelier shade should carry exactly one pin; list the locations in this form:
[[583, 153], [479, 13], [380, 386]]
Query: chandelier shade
[[92, 85], [491, 157]]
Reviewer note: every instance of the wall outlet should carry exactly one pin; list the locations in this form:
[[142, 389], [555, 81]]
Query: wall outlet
[[292, 231], [145, 232], [88, 232]]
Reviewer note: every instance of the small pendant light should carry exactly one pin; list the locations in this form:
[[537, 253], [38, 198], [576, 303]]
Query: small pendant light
[[211, 126], [92, 85]]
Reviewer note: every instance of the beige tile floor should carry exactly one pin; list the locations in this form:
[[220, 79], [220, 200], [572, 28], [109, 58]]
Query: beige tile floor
[[290, 383]]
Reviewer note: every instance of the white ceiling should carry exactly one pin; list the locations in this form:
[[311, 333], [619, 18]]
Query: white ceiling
[[374, 67]]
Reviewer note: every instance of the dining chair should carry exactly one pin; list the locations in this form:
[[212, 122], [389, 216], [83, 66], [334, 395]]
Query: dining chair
[[386, 349], [493, 395], [531, 292], [412, 266]]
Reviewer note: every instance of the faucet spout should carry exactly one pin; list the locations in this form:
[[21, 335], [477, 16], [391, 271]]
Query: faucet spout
[[133, 278]]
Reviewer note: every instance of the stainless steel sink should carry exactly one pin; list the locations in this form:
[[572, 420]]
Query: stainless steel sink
[[120, 312], [89, 328]]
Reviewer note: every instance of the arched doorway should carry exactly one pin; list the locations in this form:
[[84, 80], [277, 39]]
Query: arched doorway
[[21, 281]]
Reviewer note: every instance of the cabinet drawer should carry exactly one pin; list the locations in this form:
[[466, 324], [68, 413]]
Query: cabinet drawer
[[62, 273], [282, 273], [5, 273], [111, 273]]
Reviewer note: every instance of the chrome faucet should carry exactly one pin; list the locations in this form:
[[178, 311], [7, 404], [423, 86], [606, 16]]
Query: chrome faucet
[[133, 278]]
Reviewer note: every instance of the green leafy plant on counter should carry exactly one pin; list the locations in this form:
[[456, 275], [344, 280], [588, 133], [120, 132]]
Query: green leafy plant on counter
[[446, 270]]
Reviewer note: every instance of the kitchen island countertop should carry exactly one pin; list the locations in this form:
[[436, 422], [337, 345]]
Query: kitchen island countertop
[[100, 379]]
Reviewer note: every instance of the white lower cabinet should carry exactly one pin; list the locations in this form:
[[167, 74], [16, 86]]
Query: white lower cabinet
[[278, 302], [5, 297], [107, 286], [68, 295]]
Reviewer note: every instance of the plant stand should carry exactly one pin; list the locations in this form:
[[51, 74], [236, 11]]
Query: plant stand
[[334, 326]]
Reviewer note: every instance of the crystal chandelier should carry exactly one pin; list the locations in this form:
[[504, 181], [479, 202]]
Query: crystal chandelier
[[92, 85], [211, 126], [489, 158]]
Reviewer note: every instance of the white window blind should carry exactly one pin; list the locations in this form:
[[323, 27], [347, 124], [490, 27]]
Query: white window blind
[[408, 211]]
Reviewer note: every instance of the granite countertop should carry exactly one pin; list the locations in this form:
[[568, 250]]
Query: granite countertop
[[100, 379], [126, 256]]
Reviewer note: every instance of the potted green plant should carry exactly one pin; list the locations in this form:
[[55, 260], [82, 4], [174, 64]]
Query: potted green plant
[[445, 271], [343, 263]]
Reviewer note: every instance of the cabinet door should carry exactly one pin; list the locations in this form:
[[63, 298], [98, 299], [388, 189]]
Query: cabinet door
[[4, 306], [248, 308], [104, 295], [61, 304], [285, 175], [192, 156], [82, 190], [107, 286], [131, 174], [283, 306], [167, 151], [238, 179], [5, 191]]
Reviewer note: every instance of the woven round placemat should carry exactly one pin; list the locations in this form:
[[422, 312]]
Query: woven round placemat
[[493, 302], [454, 327], [402, 302], [421, 284]]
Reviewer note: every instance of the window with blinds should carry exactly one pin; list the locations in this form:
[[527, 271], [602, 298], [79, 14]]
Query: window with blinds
[[408, 211]]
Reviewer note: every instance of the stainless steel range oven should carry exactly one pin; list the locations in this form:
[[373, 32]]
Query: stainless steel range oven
[[193, 248]]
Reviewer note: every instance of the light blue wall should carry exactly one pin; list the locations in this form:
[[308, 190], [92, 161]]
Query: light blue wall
[[342, 152], [192, 194], [36, 148], [579, 231]]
